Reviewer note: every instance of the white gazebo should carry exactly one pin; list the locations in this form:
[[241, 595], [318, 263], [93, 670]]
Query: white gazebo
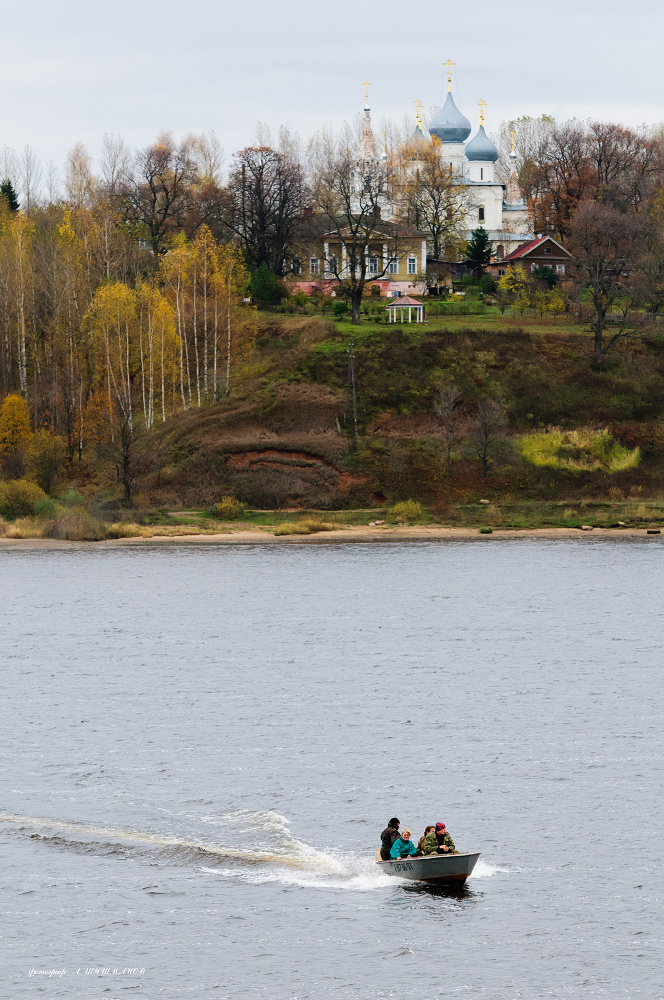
[[399, 306]]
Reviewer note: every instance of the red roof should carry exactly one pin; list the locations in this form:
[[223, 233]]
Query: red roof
[[527, 248], [404, 300]]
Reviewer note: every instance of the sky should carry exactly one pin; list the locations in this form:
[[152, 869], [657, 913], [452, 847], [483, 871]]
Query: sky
[[75, 69]]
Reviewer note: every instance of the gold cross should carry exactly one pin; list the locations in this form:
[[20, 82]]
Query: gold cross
[[449, 65], [512, 134], [418, 112], [366, 86], [383, 135], [482, 105]]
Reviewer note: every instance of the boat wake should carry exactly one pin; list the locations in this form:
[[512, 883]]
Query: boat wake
[[288, 861]]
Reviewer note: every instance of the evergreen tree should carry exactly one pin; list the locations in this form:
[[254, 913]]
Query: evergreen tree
[[478, 251], [7, 191], [265, 286]]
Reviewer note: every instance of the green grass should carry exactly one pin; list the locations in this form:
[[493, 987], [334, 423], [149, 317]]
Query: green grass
[[582, 450]]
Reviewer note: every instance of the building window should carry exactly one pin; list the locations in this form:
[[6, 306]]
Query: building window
[[547, 249], [533, 267], [296, 265], [480, 213], [412, 265], [500, 251], [501, 272], [394, 266], [560, 268], [313, 265], [373, 265]]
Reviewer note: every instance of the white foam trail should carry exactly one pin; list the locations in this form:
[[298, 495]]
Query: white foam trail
[[360, 883], [293, 854], [484, 870]]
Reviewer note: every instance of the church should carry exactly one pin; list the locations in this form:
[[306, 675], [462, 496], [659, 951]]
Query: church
[[488, 203]]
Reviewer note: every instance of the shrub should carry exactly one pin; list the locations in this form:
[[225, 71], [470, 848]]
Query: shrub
[[486, 531], [33, 527], [583, 450], [290, 528], [406, 510], [46, 458], [339, 309], [78, 526], [228, 509], [315, 524], [72, 498], [46, 507], [18, 498]]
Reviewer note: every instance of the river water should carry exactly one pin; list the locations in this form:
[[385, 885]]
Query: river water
[[202, 744]]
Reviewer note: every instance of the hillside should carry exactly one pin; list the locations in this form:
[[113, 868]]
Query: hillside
[[275, 443]]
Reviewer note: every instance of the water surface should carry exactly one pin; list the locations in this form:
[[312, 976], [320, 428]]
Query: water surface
[[201, 745]]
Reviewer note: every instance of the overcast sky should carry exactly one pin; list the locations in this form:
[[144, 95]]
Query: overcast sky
[[74, 69]]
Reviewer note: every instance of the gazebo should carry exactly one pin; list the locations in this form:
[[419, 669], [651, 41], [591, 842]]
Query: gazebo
[[399, 306]]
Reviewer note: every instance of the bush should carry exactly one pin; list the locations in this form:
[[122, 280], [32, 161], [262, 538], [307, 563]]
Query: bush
[[315, 524], [406, 510], [78, 526], [46, 507], [583, 450], [289, 528], [18, 498], [339, 309], [72, 498], [32, 527], [228, 509]]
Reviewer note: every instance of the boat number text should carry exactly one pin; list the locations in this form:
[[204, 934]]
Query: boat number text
[[407, 867]]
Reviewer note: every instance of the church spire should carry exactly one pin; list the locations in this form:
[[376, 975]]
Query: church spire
[[367, 149], [449, 65]]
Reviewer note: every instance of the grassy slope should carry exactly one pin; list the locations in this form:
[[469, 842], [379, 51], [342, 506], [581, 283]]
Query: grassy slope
[[275, 442]]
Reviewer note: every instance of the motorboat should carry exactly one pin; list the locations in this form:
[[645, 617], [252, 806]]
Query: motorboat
[[437, 869]]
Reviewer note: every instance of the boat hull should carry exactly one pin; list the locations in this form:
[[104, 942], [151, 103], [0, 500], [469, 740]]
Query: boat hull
[[436, 869]]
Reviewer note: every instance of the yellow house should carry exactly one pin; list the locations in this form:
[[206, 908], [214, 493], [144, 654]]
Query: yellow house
[[393, 257]]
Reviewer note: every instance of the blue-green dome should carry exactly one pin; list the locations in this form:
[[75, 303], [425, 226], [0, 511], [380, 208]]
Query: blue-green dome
[[481, 148], [449, 125]]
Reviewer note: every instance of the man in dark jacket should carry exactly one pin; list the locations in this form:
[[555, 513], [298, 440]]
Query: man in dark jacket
[[387, 838], [438, 842]]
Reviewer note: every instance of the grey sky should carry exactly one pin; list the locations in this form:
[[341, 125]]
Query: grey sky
[[74, 69]]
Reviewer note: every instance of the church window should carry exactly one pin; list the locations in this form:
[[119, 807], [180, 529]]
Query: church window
[[560, 268], [412, 265], [500, 251], [480, 213], [296, 265], [313, 265], [373, 265]]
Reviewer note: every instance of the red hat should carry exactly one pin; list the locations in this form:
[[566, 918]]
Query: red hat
[[440, 827]]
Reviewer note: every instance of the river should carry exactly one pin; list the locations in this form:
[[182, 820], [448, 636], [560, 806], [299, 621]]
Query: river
[[202, 744]]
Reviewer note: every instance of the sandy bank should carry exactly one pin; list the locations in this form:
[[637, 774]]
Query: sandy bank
[[355, 533]]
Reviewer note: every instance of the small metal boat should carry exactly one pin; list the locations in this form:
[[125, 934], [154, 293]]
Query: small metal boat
[[436, 869]]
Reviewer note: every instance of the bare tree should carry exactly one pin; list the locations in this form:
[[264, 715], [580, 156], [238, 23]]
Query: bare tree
[[159, 189], [607, 246], [115, 165], [267, 198], [349, 192], [432, 198], [80, 183], [489, 421], [446, 408], [31, 174]]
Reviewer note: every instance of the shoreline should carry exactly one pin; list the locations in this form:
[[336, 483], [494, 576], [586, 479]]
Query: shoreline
[[351, 534]]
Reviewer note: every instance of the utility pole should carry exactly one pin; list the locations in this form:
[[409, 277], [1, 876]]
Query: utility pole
[[350, 389]]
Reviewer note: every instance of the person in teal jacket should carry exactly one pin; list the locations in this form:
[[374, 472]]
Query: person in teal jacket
[[403, 847]]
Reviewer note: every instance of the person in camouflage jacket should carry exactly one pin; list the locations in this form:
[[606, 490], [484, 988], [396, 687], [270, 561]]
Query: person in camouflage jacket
[[438, 842]]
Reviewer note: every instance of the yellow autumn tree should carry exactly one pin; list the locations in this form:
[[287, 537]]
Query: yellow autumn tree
[[231, 281], [15, 434]]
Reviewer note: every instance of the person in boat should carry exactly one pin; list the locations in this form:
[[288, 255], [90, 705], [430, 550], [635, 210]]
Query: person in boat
[[420, 843], [403, 847], [439, 842], [387, 838]]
